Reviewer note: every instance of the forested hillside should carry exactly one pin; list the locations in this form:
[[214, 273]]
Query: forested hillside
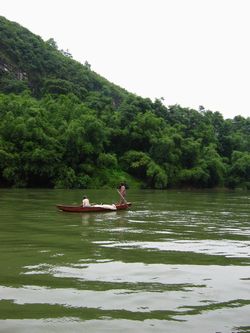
[[63, 125]]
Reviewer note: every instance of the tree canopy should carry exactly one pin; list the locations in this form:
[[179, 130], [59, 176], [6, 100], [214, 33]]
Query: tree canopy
[[63, 125]]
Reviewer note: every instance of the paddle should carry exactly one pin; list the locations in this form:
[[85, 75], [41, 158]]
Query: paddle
[[122, 197]]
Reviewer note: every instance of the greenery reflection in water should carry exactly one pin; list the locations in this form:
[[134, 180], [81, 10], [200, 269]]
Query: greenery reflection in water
[[177, 261]]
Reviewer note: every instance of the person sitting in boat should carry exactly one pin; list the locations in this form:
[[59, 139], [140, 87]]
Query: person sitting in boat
[[85, 202]]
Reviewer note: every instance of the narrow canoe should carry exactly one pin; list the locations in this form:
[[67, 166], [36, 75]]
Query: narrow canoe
[[95, 208]]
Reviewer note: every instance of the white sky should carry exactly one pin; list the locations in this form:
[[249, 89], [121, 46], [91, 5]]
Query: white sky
[[190, 52]]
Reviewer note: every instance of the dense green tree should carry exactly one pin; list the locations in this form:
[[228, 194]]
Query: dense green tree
[[240, 169], [142, 166], [63, 125]]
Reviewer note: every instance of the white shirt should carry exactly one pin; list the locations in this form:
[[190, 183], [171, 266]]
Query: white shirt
[[85, 202]]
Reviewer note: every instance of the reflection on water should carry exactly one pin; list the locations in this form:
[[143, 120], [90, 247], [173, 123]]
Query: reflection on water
[[209, 247], [87, 218], [177, 262]]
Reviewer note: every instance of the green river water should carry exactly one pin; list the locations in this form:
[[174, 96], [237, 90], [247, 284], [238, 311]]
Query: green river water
[[177, 261]]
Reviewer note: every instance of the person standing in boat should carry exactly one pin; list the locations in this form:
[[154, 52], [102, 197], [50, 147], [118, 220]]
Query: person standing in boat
[[122, 191], [85, 202]]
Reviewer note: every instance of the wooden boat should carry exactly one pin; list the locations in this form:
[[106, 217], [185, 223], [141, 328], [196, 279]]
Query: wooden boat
[[94, 208]]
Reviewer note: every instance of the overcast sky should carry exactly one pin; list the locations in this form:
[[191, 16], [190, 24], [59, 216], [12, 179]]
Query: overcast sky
[[190, 52]]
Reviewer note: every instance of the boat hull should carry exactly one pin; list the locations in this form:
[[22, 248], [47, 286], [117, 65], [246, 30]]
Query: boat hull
[[81, 209]]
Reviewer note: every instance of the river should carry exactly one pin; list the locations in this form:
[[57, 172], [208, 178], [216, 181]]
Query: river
[[176, 261]]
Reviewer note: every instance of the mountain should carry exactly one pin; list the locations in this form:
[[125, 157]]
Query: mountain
[[63, 125], [29, 62]]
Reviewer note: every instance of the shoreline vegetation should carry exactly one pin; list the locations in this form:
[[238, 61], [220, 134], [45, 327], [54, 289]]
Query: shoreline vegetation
[[64, 126], [136, 186]]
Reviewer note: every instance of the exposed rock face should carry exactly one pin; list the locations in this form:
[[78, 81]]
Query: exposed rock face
[[3, 67], [8, 68]]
